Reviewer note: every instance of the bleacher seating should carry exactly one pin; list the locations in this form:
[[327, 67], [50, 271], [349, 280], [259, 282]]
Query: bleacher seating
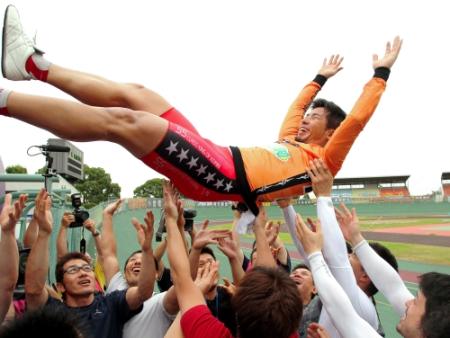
[[394, 192]]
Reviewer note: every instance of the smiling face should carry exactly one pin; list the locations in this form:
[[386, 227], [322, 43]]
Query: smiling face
[[77, 284], [313, 129], [133, 268], [305, 284], [410, 325]]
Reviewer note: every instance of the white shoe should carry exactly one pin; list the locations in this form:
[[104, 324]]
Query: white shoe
[[17, 47]]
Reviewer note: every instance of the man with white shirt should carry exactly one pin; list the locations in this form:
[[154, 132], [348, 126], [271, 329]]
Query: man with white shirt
[[160, 310]]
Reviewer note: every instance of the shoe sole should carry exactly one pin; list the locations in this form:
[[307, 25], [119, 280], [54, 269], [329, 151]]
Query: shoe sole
[[3, 41]]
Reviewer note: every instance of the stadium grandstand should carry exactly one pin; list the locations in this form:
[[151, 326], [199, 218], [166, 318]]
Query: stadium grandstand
[[371, 189]]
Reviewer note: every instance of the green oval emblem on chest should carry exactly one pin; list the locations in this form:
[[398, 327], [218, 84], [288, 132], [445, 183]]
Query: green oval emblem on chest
[[280, 151]]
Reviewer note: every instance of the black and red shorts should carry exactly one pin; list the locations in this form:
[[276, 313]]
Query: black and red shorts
[[200, 169]]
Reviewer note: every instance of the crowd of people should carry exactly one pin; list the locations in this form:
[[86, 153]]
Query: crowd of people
[[331, 294]]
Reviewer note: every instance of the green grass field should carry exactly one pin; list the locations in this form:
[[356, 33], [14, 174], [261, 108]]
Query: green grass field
[[420, 253], [382, 223], [403, 251]]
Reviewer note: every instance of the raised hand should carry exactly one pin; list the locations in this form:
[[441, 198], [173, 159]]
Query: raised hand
[[331, 66], [349, 224], [229, 245], [321, 178], [67, 219], [170, 201], [10, 214], [145, 232], [204, 236], [113, 207], [311, 239], [272, 230], [207, 277], [89, 224], [229, 287], [390, 54], [180, 209], [43, 213]]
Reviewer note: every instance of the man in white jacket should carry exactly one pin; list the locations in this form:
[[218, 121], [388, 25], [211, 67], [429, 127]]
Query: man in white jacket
[[425, 316]]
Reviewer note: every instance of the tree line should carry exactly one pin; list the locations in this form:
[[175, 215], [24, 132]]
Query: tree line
[[97, 186]]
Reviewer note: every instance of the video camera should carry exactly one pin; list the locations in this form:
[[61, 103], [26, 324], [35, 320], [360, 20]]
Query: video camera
[[188, 214], [80, 215]]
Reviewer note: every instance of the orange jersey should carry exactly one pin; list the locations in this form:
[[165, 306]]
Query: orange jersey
[[279, 170]]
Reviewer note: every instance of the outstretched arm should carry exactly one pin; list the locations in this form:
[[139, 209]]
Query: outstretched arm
[[294, 116], [264, 257], [61, 239], [175, 330], [345, 135], [281, 253], [333, 297], [158, 253], [135, 296], [89, 224], [202, 238], [38, 260], [108, 251], [9, 253], [334, 249], [290, 217], [31, 233], [382, 275], [187, 293], [231, 248]]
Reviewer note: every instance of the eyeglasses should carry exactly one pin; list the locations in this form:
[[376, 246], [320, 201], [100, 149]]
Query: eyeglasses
[[71, 270]]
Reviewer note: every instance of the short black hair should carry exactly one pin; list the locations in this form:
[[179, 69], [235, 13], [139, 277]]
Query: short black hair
[[129, 257], [301, 266], [209, 251], [387, 255], [59, 269], [49, 322], [435, 287], [335, 115]]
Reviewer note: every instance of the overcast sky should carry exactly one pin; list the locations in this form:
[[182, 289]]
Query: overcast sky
[[233, 67]]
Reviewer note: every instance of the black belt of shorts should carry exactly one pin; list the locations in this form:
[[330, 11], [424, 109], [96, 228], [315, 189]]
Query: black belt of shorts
[[241, 179]]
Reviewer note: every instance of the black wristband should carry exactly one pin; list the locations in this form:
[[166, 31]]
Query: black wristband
[[382, 73], [95, 234], [320, 79]]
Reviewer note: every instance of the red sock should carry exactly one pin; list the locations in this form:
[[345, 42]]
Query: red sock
[[4, 93], [32, 68], [4, 111]]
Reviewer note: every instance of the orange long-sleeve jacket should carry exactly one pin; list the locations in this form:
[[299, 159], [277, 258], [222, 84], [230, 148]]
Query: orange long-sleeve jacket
[[279, 170]]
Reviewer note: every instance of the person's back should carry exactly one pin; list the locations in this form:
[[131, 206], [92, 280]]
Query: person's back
[[267, 304]]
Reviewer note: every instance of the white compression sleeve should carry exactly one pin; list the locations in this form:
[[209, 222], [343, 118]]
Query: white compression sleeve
[[384, 277], [290, 218], [336, 302], [334, 249], [335, 253]]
